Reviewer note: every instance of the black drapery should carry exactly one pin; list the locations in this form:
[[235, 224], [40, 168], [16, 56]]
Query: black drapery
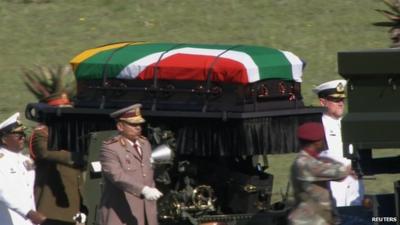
[[254, 136], [72, 132], [194, 136]]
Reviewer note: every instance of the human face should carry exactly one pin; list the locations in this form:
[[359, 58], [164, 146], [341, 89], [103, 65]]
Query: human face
[[334, 106], [14, 142], [129, 130], [320, 145]]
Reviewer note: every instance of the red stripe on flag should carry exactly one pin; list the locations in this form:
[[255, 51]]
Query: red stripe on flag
[[196, 67]]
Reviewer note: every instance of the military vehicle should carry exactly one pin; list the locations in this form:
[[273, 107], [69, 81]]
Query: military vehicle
[[220, 108]]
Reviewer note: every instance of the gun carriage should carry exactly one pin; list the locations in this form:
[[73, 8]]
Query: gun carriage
[[218, 107]]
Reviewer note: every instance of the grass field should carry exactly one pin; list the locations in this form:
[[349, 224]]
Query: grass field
[[52, 33]]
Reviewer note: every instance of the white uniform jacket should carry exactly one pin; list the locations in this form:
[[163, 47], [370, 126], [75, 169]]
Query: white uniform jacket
[[17, 176], [349, 191]]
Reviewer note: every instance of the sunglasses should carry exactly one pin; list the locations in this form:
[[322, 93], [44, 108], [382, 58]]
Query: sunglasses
[[19, 135], [133, 124]]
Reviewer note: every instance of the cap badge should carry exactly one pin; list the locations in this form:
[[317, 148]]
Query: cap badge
[[340, 87]]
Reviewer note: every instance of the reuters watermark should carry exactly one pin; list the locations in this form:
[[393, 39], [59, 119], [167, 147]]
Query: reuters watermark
[[384, 219]]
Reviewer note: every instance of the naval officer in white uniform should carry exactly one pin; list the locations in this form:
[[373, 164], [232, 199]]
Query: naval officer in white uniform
[[350, 191], [17, 175]]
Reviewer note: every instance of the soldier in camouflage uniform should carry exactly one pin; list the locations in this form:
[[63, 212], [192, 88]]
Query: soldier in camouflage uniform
[[310, 175]]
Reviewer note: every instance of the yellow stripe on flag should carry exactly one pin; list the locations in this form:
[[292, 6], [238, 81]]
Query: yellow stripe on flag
[[90, 52]]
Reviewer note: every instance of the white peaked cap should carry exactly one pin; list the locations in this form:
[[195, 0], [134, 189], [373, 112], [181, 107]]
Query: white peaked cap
[[334, 88]]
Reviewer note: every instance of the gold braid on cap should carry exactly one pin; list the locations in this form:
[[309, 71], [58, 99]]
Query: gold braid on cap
[[49, 83]]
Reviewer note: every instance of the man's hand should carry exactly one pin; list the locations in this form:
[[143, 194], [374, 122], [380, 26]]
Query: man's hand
[[36, 217], [151, 193], [354, 174], [349, 172]]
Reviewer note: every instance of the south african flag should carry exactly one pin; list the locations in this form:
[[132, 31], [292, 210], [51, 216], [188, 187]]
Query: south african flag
[[171, 61]]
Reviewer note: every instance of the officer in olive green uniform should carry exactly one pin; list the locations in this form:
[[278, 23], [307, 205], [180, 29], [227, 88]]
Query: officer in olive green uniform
[[58, 177], [310, 175], [58, 180]]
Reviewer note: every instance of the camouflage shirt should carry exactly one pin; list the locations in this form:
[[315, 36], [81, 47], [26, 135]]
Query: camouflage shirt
[[309, 177]]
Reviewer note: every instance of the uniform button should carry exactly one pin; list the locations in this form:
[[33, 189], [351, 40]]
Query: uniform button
[[144, 175], [129, 168], [142, 164]]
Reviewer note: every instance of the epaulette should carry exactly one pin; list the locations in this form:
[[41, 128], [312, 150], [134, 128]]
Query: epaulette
[[143, 137], [122, 141], [110, 141]]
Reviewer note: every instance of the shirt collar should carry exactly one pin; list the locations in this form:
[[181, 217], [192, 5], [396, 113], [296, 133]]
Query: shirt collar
[[131, 142], [8, 153], [326, 116]]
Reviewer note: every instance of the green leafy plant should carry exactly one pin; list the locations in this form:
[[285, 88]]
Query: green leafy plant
[[47, 82], [393, 14]]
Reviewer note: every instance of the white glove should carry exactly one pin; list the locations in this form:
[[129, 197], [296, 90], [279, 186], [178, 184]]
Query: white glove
[[80, 218], [151, 193]]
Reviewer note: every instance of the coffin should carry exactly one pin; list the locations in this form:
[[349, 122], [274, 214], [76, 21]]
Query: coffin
[[188, 77]]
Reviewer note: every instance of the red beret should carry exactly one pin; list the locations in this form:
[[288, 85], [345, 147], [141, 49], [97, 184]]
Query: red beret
[[311, 131]]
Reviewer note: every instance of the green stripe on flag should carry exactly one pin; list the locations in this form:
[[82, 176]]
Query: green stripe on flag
[[271, 62]]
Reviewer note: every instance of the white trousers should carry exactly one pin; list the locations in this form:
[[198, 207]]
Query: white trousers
[[348, 192]]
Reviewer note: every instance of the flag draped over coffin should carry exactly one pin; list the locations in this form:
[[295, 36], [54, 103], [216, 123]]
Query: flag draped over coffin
[[170, 61]]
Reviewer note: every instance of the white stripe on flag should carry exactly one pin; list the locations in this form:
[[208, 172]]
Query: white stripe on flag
[[297, 65], [135, 68]]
